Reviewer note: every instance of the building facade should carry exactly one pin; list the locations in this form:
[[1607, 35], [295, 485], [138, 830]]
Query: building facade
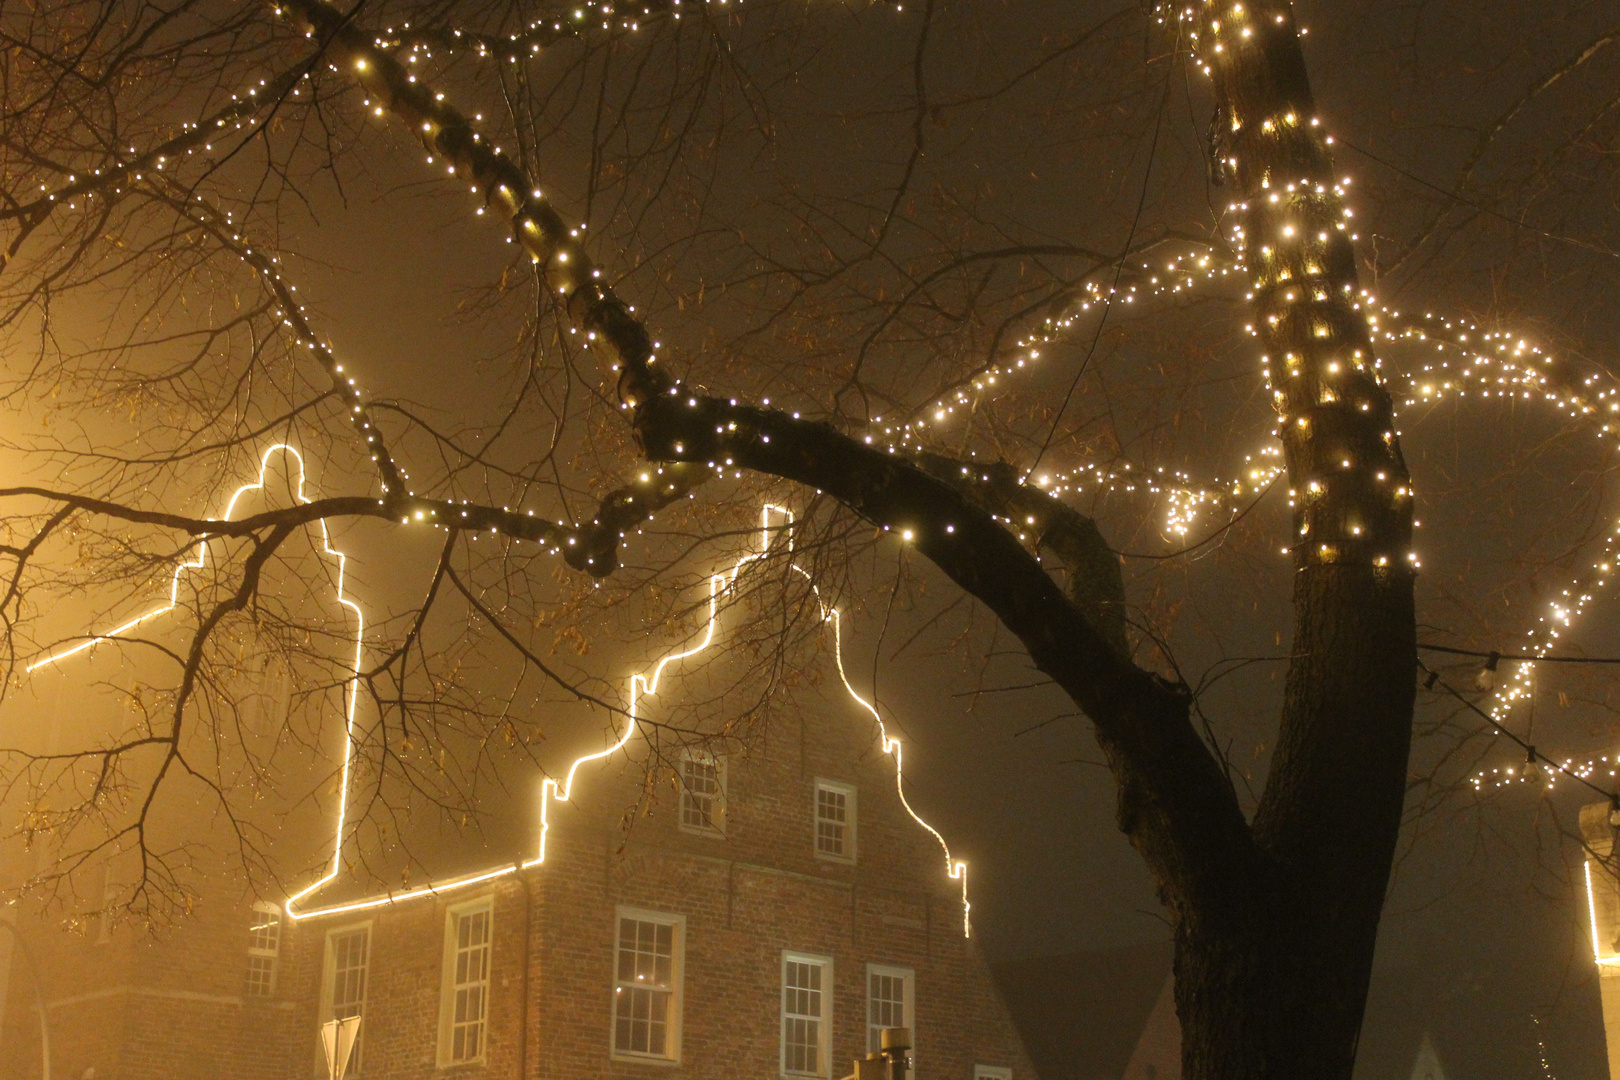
[[764, 917], [1598, 827]]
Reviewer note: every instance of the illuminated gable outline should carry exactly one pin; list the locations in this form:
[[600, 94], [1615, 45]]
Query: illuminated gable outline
[[641, 684]]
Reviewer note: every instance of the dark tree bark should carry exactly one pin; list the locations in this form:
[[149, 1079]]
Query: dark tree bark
[[1275, 919], [1275, 984]]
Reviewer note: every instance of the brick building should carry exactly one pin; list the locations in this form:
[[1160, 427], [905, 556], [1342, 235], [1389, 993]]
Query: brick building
[[774, 909]]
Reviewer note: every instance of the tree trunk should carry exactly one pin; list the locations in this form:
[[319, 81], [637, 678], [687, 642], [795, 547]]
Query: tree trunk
[[1272, 980], [1251, 1007], [1275, 920], [1275, 984]]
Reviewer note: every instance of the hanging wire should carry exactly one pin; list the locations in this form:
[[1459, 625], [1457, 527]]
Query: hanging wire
[[1494, 655], [1532, 756]]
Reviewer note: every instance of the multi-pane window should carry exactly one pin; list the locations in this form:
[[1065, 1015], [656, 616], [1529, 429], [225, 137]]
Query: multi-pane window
[[888, 1002], [264, 949], [465, 1000], [835, 821], [806, 1013], [347, 955], [646, 990], [703, 793]]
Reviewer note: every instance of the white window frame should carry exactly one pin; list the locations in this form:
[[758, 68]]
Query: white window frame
[[824, 1047], [328, 978], [717, 819], [449, 987], [851, 818], [908, 1006], [991, 1072], [261, 910], [677, 994]]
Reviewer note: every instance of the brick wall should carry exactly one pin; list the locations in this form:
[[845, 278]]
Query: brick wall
[[145, 1008], [141, 1004]]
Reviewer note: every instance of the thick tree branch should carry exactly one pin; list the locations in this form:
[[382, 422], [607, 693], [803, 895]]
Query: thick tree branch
[[604, 322], [542, 33], [1096, 585], [591, 547], [1328, 819], [226, 234], [1175, 803]]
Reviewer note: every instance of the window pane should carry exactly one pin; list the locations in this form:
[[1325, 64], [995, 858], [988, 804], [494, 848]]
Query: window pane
[[264, 941], [261, 976], [348, 951], [348, 973], [885, 1006], [832, 822], [470, 986], [264, 930], [644, 996], [802, 1005], [701, 794]]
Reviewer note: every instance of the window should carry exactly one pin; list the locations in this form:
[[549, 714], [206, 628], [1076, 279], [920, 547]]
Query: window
[[264, 948], [647, 985], [109, 901], [806, 1014], [703, 793], [835, 821], [888, 1002], [343, 985], [464, 999], [991, 1072], [272, 702]]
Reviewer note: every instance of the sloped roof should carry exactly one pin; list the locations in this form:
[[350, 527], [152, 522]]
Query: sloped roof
[[1158, 1051], [1427, 1066], [1082, 1014], [1479, 1022]]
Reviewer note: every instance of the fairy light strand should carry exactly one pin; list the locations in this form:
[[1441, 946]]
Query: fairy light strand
[[1492, 366]]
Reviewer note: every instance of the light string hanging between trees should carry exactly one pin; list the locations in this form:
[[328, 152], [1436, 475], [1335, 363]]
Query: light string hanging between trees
[[1514, 368], [1468, 362]]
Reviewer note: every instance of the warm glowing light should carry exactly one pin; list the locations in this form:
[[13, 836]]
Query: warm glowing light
[[1591, 907], [351, 690], [202, 555], [643, 685]]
